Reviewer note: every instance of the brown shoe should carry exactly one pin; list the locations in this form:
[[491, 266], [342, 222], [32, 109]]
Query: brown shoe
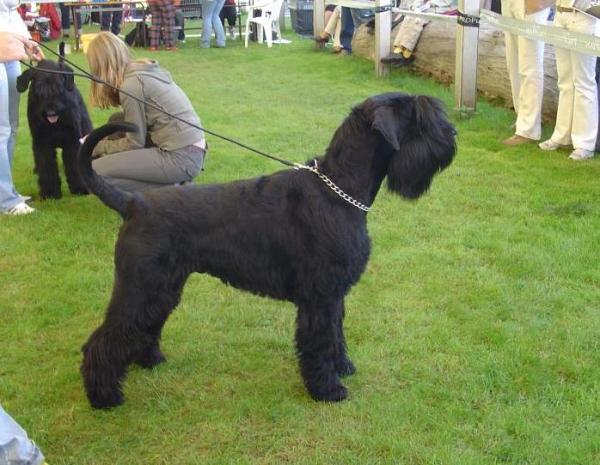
[[517, 140], [322, 38]]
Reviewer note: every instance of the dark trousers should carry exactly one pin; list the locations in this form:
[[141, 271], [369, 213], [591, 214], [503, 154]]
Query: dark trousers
[[351, 19], [179, 25], [65, 17], [228, 13], [112, 19], [347, 29]]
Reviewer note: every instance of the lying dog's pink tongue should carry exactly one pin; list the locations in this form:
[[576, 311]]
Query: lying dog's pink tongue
[[52, 119]]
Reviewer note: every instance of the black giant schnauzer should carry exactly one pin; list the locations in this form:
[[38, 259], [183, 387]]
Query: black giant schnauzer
[[288, 236], [57, 118]]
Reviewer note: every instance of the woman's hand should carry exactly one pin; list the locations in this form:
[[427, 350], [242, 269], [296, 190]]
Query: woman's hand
[[33, 50], [12, 47], [17, 47]]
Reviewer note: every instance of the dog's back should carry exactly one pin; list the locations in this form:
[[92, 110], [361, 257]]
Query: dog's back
[[233, 230]]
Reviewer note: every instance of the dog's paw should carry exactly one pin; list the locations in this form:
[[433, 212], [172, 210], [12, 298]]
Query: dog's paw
[[345, 368], [333, 393], [78, 191], [106, 400], [44, 195]]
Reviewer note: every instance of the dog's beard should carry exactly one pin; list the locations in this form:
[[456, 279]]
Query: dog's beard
[[411, 171]]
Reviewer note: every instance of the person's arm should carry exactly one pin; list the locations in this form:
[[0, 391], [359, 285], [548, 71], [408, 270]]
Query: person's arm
[[133, 112], [16, 47]]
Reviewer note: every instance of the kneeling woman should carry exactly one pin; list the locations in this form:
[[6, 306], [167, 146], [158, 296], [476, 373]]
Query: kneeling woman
[[164, 151]]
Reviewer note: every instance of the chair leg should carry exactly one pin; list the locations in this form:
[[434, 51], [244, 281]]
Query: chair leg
[[269, 34], [247, 32]]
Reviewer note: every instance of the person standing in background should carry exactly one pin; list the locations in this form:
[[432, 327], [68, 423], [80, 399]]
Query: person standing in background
[[210, 22], [111, 20], [525, 63], [229, 13], [163, 23], [577, 114], [11, 27], [65, 20]]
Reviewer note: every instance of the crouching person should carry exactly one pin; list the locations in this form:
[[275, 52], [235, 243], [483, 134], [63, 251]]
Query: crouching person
[[165, 151], [411, 27]]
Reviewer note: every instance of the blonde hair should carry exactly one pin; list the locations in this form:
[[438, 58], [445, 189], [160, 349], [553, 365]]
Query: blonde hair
[[108, 57]]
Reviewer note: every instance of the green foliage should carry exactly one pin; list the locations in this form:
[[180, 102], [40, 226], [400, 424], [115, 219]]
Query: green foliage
[[475, 328]]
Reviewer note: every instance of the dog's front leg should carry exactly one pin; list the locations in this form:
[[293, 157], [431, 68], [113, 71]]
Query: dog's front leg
[[343, 365], [47, 171], [69, 156], [316, 341]]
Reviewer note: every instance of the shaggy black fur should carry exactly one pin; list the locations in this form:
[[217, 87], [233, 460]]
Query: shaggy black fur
[[287, 236], [57, 118]]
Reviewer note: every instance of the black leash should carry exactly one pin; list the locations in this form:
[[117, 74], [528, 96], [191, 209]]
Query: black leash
[[87, 75]]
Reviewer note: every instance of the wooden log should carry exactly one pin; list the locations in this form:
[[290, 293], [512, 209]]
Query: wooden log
[[435, 52]]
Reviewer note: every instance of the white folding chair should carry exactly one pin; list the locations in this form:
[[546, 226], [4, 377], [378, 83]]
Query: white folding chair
[[267, 22]]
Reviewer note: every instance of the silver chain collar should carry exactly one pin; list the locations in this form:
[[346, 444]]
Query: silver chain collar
[[332, 185]]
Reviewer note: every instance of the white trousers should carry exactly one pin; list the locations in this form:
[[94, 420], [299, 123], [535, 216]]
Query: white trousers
[[525, 63], [577, 115]]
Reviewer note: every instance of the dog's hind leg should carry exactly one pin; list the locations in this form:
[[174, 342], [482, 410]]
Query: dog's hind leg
[[47, 170], [343, 365], [69, 157], [166, 299], [316, 335]]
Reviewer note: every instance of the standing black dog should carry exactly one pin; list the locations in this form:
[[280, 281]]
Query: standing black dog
[[57, 118], [289, 236]]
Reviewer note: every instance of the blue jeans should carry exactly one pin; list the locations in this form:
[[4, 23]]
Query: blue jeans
[[15, 447], [211, 20], [9, 122], [351, 19]]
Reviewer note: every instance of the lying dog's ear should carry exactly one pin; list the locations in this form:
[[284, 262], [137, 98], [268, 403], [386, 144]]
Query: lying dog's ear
[[69, 78], [23, 80], [387, 122]]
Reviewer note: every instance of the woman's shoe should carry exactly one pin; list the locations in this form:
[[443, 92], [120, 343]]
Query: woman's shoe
[[20, 209], [153, 49], [549, 145], [173, 48], [581, 154], [321, 39]]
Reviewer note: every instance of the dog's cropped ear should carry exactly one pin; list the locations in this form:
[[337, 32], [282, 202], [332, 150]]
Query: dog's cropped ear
[[69, 78], [388, 122], [23, 80]]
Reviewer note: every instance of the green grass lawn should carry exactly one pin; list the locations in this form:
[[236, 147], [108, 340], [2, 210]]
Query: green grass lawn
[[475, 328]]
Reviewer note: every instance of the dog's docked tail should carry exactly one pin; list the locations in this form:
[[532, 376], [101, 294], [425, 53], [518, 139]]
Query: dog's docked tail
[[112, 197]]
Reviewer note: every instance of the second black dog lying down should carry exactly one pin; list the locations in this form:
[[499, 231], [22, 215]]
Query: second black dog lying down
[[288, 236]]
